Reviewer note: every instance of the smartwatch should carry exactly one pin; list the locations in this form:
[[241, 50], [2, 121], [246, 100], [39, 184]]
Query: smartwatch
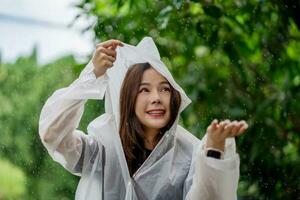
[[214, 153]]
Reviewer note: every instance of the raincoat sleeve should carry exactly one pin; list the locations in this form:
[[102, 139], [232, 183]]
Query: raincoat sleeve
[[213, 179], [60, 117]]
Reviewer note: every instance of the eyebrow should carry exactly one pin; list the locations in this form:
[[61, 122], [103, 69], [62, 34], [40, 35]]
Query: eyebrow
[[161, 83]]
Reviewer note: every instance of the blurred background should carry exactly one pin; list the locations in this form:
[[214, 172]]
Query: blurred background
[[235, 59]]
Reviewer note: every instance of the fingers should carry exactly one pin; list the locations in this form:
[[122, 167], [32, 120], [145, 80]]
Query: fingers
[[218, 132], [111, 43], [110, 52], [103, 60], [104, 57], [108, 64], [222, 125], [227, 128], [234, 128], [113, 47], [108, 48], [214, 123], [110, 58], [243, 127], [212, 126]]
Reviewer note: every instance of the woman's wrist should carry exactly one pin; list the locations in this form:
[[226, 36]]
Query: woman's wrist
[[215, 145], [99, 72], [214, 149]]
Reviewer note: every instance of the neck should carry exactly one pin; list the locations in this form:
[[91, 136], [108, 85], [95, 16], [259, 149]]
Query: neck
[[151, 138]]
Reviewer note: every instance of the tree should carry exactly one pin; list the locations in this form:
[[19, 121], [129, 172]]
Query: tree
[[25, 86], [236, 59]]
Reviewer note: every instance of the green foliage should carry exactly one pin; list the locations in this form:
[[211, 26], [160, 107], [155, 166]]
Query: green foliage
[[24, 88], [235, 59], [12, 181]]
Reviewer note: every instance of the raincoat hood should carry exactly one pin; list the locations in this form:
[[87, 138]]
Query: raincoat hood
[[128, 55]]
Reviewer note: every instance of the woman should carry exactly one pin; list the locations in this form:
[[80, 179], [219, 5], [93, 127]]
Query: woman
[[137, 150]]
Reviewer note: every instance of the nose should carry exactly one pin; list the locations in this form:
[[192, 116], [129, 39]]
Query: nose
[[155, 97]]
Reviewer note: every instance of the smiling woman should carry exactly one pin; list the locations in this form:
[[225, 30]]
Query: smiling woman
[[138, 142], [148, 106]]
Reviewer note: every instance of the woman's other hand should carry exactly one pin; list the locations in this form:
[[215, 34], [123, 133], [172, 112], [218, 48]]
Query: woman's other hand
[[218, 132], [105, 55]]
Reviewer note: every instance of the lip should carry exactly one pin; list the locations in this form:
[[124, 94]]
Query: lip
[[156, 115], [156, 110]]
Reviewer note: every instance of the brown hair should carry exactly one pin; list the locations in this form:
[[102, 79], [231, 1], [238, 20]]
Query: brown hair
[[131, 130]]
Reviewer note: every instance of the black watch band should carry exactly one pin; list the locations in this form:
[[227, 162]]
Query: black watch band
[[213, 154]]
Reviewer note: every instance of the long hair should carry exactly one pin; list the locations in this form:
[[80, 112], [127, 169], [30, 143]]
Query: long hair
[[131, 130]]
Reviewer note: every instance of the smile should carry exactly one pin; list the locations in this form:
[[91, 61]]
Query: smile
[[156, 113]]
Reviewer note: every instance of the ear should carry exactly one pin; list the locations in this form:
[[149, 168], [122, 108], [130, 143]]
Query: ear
[[147, 46]]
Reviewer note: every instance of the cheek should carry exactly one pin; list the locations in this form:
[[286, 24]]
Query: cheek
[[139, 106], [167, 101]]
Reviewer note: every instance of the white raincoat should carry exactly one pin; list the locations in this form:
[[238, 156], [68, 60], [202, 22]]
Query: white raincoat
[[177, 167]]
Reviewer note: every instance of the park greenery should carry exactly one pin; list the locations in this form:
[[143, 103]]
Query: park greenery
[[235, 59]]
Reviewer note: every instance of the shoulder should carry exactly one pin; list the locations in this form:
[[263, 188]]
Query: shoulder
[[102, 129], [185, 140], [185, 136]]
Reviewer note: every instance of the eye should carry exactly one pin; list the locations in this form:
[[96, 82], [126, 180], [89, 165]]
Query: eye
[[166, 89], [143, 90]]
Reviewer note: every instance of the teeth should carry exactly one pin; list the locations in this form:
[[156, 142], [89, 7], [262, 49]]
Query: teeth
[[156, 112]]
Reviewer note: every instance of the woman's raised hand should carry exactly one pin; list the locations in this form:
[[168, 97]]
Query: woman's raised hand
[[105, 56], [218, 132]]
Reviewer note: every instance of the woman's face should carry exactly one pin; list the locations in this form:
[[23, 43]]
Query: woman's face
[[152, 106]]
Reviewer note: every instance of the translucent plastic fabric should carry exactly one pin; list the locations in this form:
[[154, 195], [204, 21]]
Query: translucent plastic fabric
[[176, 169]]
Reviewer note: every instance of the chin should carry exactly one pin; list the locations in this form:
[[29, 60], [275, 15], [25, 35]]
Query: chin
[[155, 125]]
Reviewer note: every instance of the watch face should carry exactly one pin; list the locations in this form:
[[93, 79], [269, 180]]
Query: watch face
[[213, 154]]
